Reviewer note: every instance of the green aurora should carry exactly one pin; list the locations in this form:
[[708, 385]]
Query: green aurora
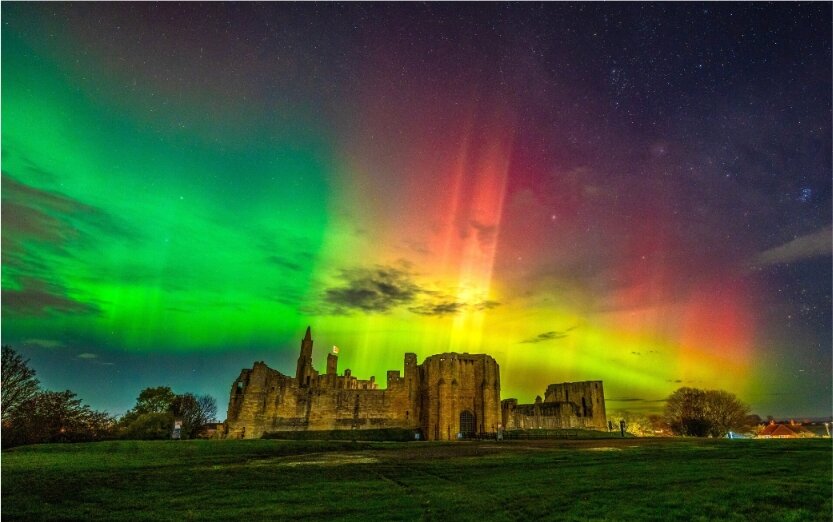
[[185, 189]]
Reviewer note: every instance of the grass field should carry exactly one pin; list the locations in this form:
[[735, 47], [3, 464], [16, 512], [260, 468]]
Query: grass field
[[626, 479]]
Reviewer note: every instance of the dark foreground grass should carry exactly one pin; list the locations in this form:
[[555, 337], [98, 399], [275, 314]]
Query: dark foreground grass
[[631, 479]]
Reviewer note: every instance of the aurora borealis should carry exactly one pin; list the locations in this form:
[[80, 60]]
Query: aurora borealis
[[634, 193]]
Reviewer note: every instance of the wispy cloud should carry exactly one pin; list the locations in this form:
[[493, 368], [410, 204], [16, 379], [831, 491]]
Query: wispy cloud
[[44, 343], [38, 297], [43, 229], [438, 308], [552, 335], [817, 244], [486, 233], [486, 305], [93, 358], [445, 305], [284, 262]]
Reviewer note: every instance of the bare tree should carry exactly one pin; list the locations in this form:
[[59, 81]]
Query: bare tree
[[194, 412], [208, 408], [18, 382]]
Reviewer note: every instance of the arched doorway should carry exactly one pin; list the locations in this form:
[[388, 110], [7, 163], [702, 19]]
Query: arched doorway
[[467, 424]]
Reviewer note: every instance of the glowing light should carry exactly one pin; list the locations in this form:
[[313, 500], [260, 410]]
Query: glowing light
[[223, 211]]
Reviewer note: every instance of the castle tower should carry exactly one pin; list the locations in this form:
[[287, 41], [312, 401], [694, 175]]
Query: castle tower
[[460, 394], [332, 364], [304, 371]]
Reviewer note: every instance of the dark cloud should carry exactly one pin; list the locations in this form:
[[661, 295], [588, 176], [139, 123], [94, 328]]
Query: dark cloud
[[486, 234], [440, 304], [548, 336], [286, 263], [170, 278], [290, 294], [383, 288], [486, 305], [448, 305], [441, 308], [21, 221], [52, 217], [36, 297], [40, 231], [15, 190], [377, 289]]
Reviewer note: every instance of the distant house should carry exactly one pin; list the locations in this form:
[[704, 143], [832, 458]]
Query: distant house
[[793, 430]]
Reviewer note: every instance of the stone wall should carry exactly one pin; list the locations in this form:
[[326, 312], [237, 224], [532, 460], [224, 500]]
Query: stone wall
[[264, 400], [446, 396], [452, 384], [566, 405]]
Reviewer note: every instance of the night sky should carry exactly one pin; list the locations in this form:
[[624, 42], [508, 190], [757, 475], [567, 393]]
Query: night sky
[[634, 193]]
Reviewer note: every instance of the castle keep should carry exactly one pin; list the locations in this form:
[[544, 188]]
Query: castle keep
[[565, 405], [447, 396]]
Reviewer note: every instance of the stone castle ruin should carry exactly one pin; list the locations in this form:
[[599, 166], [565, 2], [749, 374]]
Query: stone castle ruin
[[448, 396], [557, 410]]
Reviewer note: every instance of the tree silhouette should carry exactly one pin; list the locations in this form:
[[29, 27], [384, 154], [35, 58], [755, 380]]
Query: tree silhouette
[[157, 408], [55, 417], [194, 412], [699, 413], [18, 382], [155, 400]]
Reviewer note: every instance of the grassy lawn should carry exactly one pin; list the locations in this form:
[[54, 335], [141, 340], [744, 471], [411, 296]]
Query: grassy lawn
[[636, 479]]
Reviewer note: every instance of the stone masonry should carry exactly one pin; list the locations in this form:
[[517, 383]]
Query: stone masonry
[[565, 405], [446, 396]]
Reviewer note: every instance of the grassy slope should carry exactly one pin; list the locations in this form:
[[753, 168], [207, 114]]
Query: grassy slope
[[628, 479]]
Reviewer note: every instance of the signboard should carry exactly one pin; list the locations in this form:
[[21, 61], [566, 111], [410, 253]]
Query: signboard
[[335, 350]]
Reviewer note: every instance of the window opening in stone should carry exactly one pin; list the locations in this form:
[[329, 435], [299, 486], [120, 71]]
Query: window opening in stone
[[467, 425]]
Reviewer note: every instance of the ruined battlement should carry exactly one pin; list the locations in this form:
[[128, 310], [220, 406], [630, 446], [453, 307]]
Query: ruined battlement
[[448, 395], [565, 405]]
